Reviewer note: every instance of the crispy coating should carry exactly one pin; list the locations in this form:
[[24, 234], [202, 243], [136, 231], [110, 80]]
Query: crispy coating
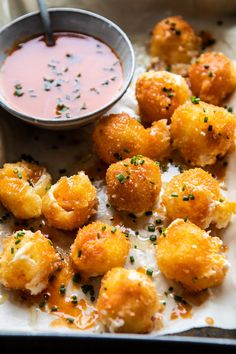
[[202, 132], [196, 195], [27, 261], [159, 141], [191, 256], [212, 77], [127, 301], [174, 41], [70, 202], [22, 186], [159, 93], [99, 247], [134, 184], [119, 136]]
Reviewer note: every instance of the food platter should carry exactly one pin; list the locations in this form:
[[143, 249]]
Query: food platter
[[78, 154]]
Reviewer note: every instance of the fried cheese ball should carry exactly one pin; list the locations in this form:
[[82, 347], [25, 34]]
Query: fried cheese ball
[[202, 132], [212, 77], [119, 136], [159, 93], [99, 247], [195, 195], [127, 301], [174, 41], [22, 186], [133, 185], [159, 141], [27, 261], [189, 255], [70, 202]]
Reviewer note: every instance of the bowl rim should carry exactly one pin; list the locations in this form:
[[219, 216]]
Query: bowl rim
[[89, 116]]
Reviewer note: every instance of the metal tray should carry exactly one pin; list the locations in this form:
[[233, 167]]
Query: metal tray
[[130, 15]]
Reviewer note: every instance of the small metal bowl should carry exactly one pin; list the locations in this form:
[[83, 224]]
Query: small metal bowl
[[71, 20]]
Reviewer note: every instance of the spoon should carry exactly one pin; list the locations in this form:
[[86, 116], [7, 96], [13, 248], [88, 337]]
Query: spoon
[[46, 22]]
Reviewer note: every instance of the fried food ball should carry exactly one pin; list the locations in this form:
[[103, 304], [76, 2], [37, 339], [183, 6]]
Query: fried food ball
[[27, 261], [202, 132], [196, 195], [134, 184], [99, 247], [127, 301], [174, 41], [191, 256], [125, 137], [70, 202], [159, 141], [22, 186], [119, 136], [212, 77], [159, 93]]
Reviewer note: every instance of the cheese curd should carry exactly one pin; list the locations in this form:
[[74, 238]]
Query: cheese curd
[[159, 93], [127, 302], [212, 77], [196, 195], [70, 202], [22, 186], [27, 261], [99, 247], [134, 184], [202, 132], [159, 141], [174, 41], [189, 255], [119, 136]]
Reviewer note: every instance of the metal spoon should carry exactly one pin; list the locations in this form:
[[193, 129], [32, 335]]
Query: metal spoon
[[46, 22]]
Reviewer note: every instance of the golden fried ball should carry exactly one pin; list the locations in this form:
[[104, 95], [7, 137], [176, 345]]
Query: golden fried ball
[[70, 202], [22, 186], [202, 132], [119, 136], [195, 195], [159, 141], [191, 256], [99, 247], [134, 184], [127, 302], [212, 77], [174, 41], [27, 261], [159, 93]]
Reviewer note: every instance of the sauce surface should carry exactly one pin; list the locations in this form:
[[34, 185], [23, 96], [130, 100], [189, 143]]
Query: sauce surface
[[76, 76]]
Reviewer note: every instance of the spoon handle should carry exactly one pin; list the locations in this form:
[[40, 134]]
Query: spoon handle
[[46, 22]]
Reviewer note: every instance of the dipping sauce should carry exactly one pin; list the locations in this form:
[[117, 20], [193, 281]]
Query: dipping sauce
[[76, 76]]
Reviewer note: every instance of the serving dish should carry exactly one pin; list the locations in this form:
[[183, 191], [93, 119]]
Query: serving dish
[[70, 20], [11, 154]]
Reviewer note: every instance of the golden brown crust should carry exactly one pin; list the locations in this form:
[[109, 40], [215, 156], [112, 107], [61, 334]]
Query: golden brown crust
[[196, 195], [159, 141], [99, 247], [202, 132], [119, 136], [174, 41], [189, 255], [27, 261], [133, 185], [22, 186], [127, 301], [70, 202], [159, 93], [212, 77]]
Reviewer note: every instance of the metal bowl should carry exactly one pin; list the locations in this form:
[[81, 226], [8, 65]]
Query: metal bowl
[[71, 20]]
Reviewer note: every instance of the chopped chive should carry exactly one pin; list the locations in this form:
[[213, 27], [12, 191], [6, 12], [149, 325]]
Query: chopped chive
[[131, 258]]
